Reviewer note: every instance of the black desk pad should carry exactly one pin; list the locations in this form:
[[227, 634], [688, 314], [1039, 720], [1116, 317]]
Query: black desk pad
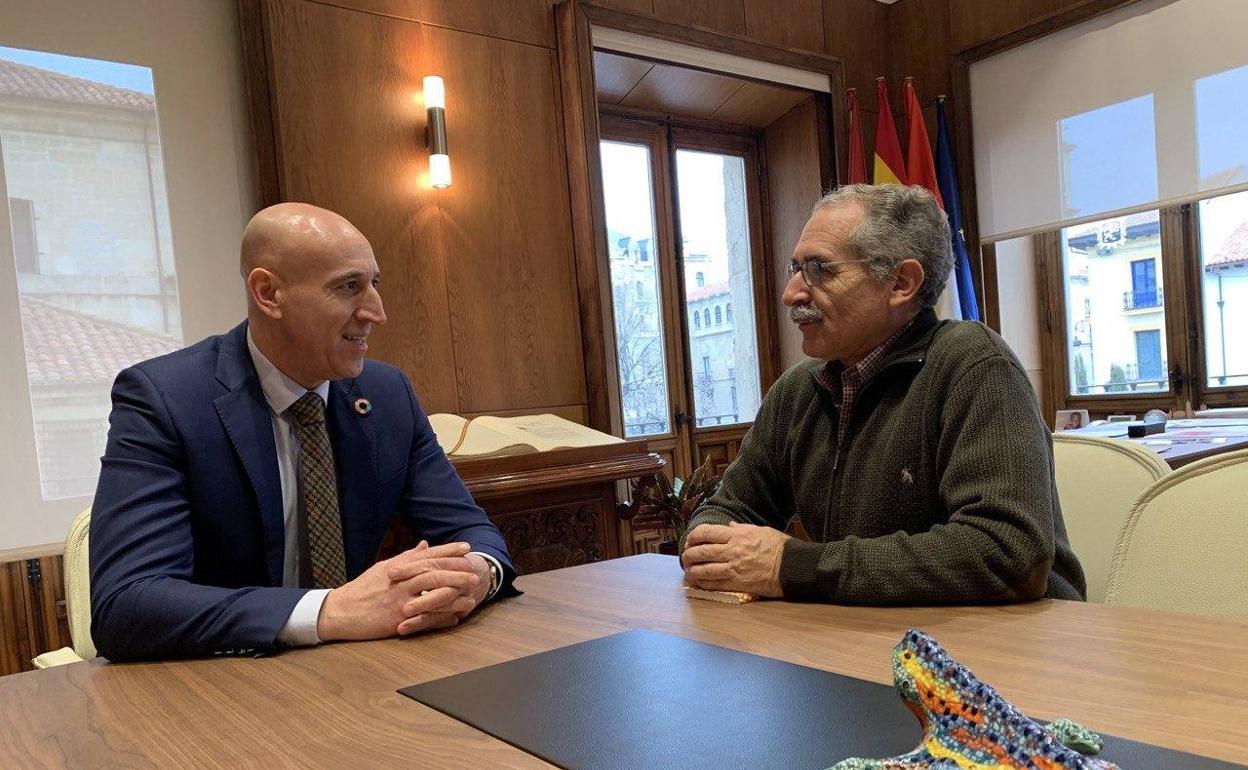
[[646, 700]]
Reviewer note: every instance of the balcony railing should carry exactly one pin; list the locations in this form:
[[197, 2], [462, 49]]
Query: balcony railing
[[1140, 300]]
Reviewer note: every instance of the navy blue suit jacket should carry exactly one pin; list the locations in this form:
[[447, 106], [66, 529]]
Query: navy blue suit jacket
[[187, 529]]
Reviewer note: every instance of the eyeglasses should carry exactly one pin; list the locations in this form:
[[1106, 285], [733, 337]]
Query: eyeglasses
[[814, 272]]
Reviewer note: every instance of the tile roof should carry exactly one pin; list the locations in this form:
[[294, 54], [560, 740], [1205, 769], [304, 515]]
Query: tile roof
[[1130, 220], [65, 347], [1234, 252], [702, 292], [34, 83]]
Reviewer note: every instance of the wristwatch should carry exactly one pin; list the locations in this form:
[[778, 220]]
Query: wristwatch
[[496, 578]]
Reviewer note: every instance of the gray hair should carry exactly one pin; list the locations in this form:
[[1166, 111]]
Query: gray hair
[[900, 222]]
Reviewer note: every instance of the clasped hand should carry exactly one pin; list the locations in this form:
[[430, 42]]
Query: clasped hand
[[419, 590], [736, 557]]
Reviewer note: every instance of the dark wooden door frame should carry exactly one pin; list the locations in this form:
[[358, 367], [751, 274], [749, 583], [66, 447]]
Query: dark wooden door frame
[[574, 44]]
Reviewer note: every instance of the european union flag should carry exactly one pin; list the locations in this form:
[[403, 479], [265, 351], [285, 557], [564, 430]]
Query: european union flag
[[947, 178]]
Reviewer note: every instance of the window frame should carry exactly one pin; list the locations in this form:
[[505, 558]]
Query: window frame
[[664, 136], [1206, 395], [1183, 303]]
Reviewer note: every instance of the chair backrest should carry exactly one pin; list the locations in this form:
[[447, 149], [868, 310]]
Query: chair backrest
[[1184, 546], [1098, 479], [78, 585]]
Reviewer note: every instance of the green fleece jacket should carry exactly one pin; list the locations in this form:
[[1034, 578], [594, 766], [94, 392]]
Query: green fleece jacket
[[942, 492]]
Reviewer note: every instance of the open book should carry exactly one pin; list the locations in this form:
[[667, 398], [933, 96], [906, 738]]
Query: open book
[[488, 436]]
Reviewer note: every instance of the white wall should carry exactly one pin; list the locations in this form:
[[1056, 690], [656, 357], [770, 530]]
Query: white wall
[[1020, 308], [194, 50]]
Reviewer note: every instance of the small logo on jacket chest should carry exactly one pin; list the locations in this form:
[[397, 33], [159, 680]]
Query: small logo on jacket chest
[[907, 478]]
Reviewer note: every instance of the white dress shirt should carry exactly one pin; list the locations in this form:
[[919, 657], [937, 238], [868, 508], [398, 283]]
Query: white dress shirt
[[281, 393]]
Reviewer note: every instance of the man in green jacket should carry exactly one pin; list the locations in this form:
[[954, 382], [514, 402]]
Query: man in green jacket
[[912, 450]]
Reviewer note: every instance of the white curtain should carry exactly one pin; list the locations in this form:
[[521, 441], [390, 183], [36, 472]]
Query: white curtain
[[1142, 107]]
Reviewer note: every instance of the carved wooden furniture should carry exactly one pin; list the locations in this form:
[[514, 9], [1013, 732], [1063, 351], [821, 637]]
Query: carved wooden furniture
[[555, 509]]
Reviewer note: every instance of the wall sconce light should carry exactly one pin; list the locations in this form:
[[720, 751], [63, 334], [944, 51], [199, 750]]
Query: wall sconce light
[[435, 132]]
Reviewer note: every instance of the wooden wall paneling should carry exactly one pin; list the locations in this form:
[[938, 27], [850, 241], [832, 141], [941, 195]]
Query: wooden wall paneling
[[958, 111], [974, 21], [721, 446], [702, 37], [45, 587], [506, 225], [577, 413], [349, 126], [857, 31], [615, 76], [32, 610], [920, 32], [253, 33], [589, 231], [687, 92], [631, 6], [15, 627], [793, 187], [726, 16], [756, 104], [789, 23], [524, 21]]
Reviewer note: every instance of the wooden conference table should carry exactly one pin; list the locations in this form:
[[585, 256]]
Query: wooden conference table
[[1185, 440], [1172, 680]]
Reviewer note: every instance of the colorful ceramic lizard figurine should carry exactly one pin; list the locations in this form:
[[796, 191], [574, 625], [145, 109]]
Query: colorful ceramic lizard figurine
[[968, 726]]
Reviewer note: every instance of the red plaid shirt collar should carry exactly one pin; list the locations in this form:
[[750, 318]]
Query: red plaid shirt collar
[[852, 378]]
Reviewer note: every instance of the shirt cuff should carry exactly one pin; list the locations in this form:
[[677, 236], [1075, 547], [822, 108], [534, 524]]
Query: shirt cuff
[[498, 567], [300, 628]]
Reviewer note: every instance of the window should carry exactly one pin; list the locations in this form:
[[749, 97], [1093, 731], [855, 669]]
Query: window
[[1144, 292], [638, 321], [1223, 262], [25, 242], [1148, 361], [80, 146], [679, 375], [1130, 343], [1110, 277], [98, 166], [728, 311]]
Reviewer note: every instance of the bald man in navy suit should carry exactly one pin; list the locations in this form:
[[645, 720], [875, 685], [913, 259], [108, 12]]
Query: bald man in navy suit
[[249, 479]]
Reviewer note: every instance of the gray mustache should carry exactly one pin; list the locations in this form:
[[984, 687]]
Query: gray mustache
[[800, 314]]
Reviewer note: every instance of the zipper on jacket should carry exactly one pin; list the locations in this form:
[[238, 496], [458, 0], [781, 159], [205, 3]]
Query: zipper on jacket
[[849, 433]]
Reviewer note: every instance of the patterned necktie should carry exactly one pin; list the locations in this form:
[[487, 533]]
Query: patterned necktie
[[319, 494]]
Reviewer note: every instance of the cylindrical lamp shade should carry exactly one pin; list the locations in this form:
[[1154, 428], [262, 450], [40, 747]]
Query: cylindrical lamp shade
[[435, 109], [435, 92], [440, 170]]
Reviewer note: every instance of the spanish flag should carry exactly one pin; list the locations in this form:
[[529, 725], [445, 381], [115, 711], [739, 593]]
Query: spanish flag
[[889, 168], [857, 160]]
